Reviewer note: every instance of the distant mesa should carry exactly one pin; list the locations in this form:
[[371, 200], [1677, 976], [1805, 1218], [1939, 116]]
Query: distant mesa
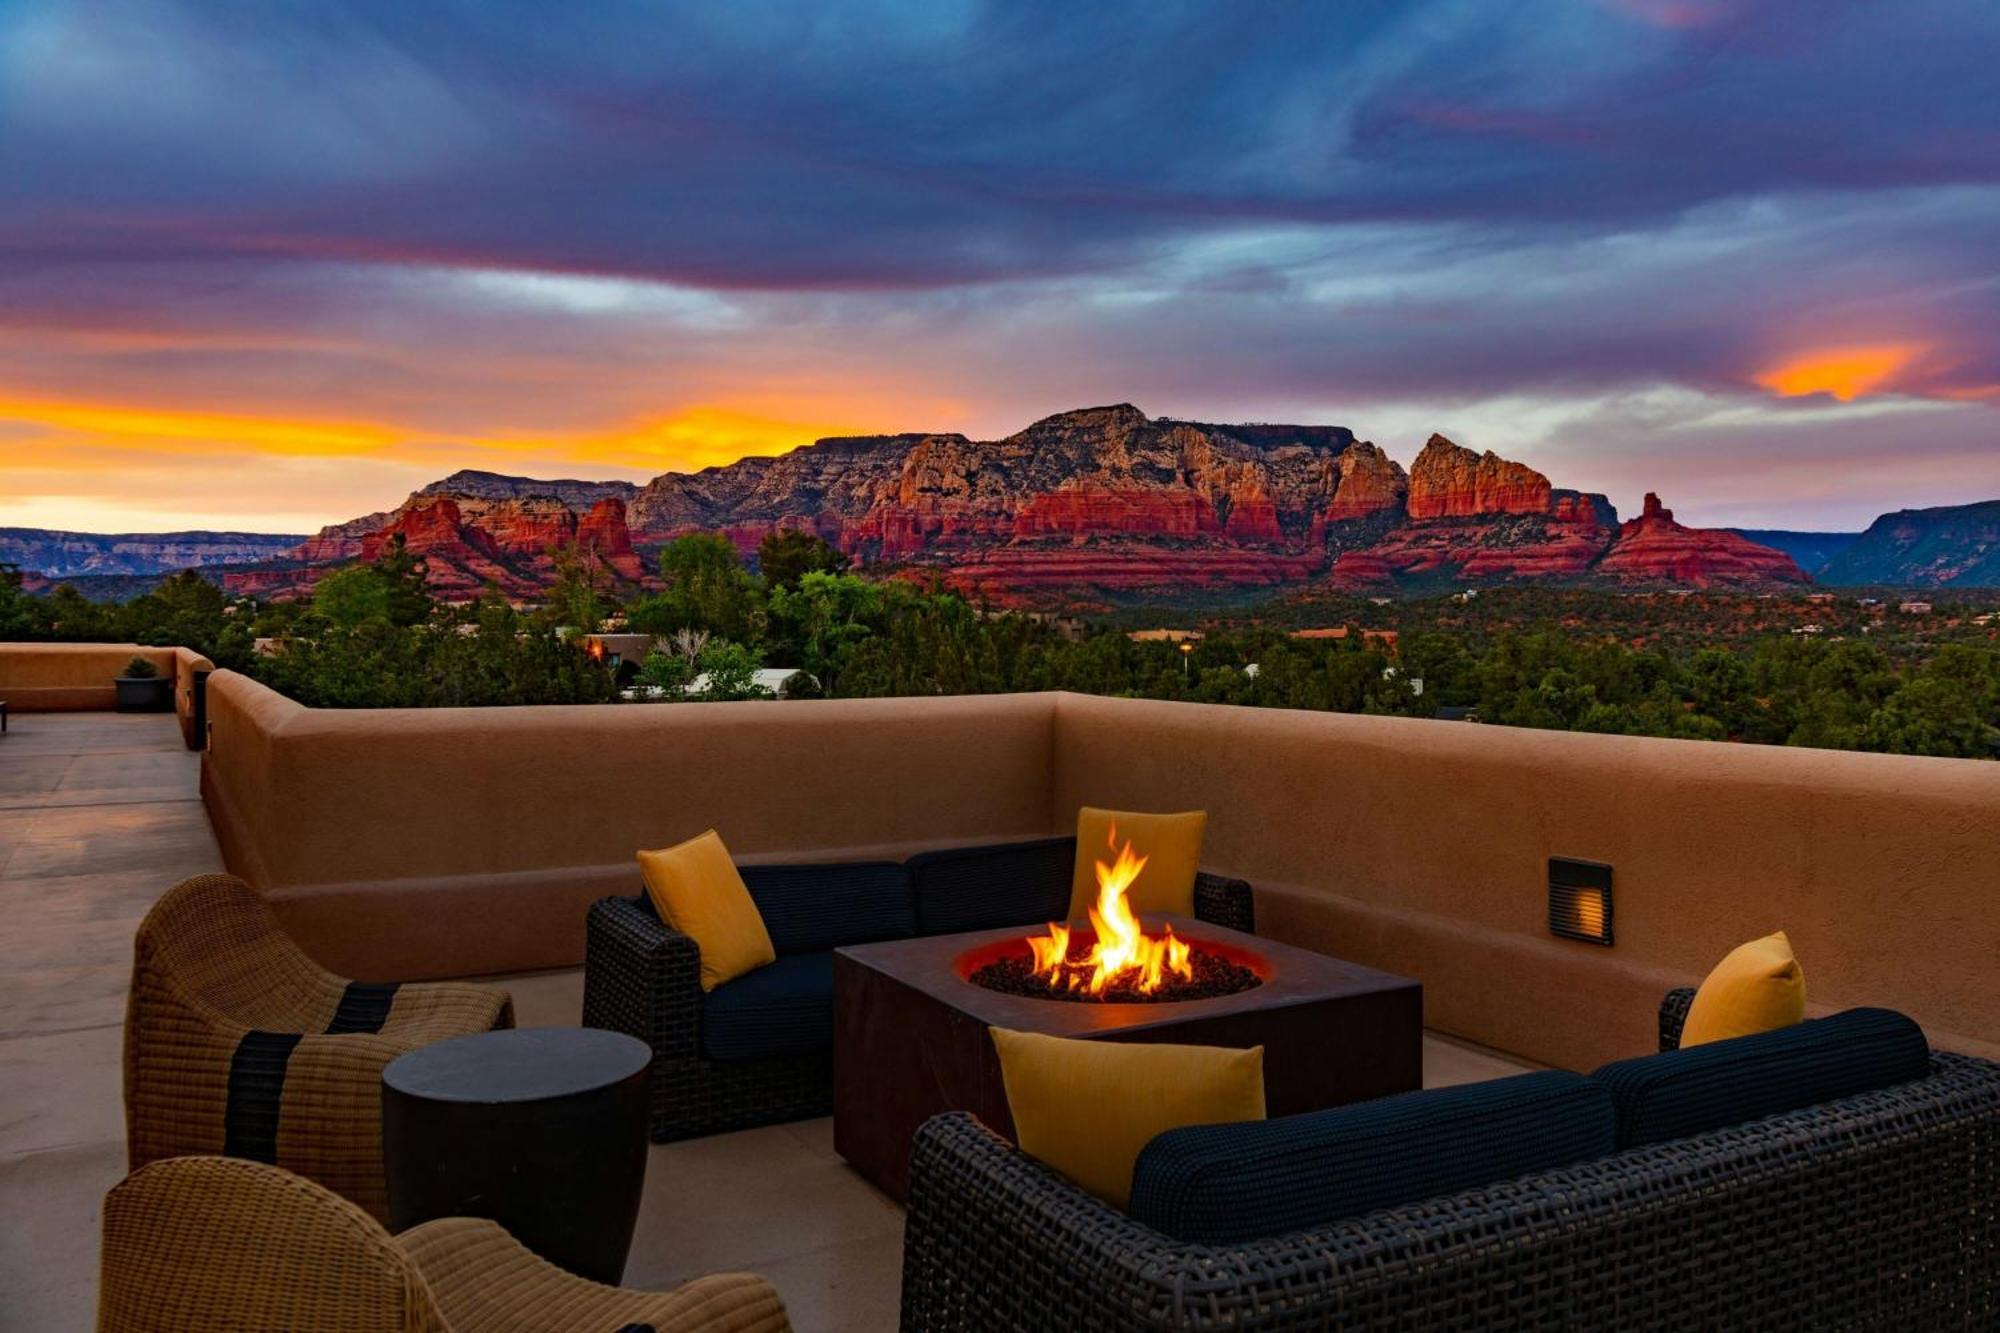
[[87, 555], [1098, 503], [1813, 551], [1952, 546]]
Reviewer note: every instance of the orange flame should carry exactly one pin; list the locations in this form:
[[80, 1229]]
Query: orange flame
[[1122, 948]]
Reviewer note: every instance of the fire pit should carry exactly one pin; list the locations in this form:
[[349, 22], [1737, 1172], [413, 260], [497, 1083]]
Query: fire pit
[[911, 1018], [1209, 972], [1116, 960]]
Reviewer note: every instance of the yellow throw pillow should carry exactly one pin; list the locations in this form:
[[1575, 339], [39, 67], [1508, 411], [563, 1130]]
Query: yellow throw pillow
[[1171, 845], [696, 889], [1087, 1107], [1758, 987]]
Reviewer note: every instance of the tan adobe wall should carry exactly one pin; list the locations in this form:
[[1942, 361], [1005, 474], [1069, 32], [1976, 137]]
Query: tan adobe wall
[[1422, 847], [189, 666], [76, 677], [403, 843]]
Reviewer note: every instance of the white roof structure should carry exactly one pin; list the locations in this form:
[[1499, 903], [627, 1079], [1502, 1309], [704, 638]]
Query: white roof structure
[[774, 679]]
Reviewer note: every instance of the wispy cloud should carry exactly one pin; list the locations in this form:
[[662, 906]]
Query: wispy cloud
[[657, 236]]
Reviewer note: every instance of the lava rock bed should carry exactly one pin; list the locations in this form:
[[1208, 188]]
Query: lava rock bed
[[1213, 975]]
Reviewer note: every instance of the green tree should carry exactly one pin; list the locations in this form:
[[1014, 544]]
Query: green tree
[[824, 620], [20, 614], [577, 597], [352, 595], [664, 677], [408, 579], [728, 671], [787, 554], [714, 670], [706, 588], [1934, 714]]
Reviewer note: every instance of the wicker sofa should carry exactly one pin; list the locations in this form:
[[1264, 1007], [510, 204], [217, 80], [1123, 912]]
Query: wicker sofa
[[759, 1050], [1876, 1210]]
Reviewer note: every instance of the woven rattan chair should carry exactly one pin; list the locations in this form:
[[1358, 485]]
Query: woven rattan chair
[[205, 1244], [237, 1043]]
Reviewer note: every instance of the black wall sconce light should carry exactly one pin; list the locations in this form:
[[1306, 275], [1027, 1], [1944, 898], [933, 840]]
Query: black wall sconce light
[[1580, 900]]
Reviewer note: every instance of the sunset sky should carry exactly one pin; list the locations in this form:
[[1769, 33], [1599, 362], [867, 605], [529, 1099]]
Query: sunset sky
[[269, 265]]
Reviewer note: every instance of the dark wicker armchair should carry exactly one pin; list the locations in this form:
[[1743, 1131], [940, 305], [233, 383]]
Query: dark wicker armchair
[[237, 1043], [1872, 1211], [643, 978]]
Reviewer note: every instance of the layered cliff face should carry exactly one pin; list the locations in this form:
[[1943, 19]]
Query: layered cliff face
[[1104, 497], [1652, 548], [1479, 518], [1100, 500], [468, 541], [61, 555], [1448, 481]]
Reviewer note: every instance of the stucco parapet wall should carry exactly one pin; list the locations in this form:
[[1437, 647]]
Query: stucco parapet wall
[[403, 843], [78, 677], [68, 677], [1884, 869]]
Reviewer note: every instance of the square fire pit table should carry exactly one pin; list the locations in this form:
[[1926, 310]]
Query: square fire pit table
[[910, 1032]]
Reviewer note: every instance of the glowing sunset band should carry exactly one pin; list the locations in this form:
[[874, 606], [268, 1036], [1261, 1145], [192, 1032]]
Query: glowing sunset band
[[1844, 372]]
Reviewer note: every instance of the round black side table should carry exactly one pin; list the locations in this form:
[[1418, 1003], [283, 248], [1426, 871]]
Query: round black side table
[[543, 1130]]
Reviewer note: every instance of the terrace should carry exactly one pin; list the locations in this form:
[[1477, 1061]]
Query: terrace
[[471, 844]]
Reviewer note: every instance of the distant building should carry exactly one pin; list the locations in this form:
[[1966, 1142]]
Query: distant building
[[1070, 628], [1166, 636], [1915, 608], [1385, 637], [1822, 598], [614, 649], [775, 681], [1810, 629]]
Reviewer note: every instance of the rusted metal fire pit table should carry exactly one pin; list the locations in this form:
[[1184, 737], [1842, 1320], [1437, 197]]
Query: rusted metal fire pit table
[[910, 1032]]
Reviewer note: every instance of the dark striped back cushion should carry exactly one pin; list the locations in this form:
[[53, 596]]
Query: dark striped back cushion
[[1678, 1093], [1219, 1184], [984, 888], [813, 908]]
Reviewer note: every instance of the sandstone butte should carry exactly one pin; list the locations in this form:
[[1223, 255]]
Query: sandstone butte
[[1100, 501]]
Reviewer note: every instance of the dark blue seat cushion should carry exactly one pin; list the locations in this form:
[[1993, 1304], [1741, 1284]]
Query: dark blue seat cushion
[[813, 908], [781, 1009], [1217, 1184], [984, 888], [1677, 1093]]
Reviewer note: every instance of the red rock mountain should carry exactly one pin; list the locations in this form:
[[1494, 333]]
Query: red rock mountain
[[1101, 501], [1654, 548]]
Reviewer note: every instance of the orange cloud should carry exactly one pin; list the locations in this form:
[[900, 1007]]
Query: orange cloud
[[1844, 372], [709, 434], [702, 435], [171, 431]]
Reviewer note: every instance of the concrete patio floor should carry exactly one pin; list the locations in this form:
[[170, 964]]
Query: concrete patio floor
[[99, 814]]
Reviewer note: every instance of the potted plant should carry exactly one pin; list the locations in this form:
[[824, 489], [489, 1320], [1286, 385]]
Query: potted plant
[[142, 689]]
